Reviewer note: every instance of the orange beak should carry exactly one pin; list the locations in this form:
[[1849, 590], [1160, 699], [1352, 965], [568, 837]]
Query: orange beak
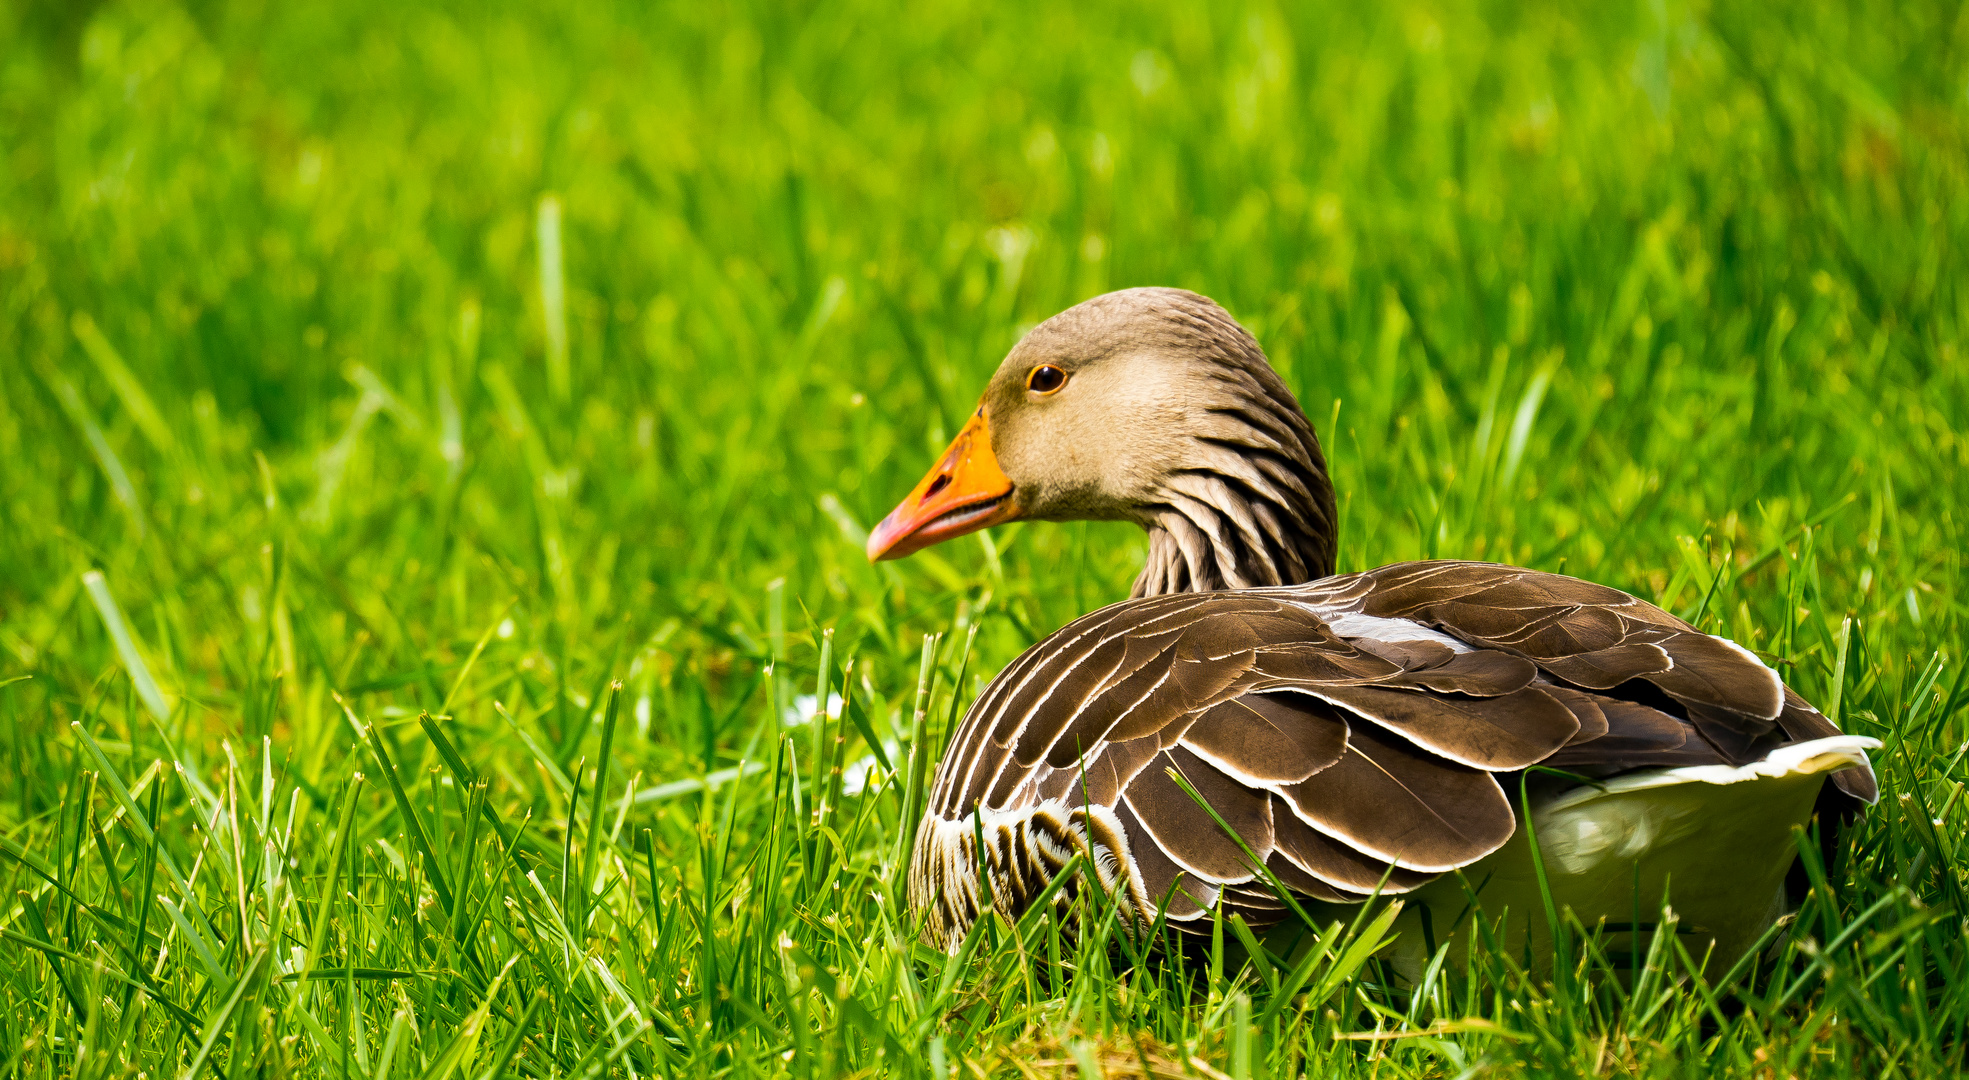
[[965, 492]]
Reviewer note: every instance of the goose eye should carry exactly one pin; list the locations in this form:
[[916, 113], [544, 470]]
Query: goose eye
[[1045, 379]]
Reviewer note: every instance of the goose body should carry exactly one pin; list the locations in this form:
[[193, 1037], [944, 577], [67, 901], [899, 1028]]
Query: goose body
[[1349, 735]]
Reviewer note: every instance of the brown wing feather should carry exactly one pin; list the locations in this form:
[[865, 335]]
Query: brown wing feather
[[1397, 803], [1585, 708], [1495, 734], [1342, 871], [1186, 832], [1636, 736], [1156, 874], [1269, 738]]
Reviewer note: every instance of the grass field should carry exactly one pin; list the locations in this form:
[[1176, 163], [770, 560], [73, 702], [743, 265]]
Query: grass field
[[436, 444]]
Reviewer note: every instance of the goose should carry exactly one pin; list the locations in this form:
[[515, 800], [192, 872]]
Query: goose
[[1344, 736]]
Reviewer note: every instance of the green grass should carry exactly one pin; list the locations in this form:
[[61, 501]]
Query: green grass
[[1665, 296]]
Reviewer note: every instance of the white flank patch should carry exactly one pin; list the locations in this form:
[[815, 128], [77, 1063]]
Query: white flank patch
[[805, 707], [1630, 816], [1833, 753], [1353, 624]]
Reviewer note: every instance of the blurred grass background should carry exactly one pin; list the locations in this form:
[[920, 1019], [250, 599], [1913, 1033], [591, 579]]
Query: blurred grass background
[[461, 359]]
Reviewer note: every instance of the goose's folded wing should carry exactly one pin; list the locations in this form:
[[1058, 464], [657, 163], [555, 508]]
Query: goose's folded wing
[[1611, 645], [1345, 736], [1234, 738]]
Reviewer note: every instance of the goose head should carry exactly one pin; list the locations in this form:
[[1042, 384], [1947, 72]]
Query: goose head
[[1146, 405]]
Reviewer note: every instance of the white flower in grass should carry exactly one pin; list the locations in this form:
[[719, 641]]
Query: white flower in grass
[[855, 775], [858, 774], [802, 709]]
